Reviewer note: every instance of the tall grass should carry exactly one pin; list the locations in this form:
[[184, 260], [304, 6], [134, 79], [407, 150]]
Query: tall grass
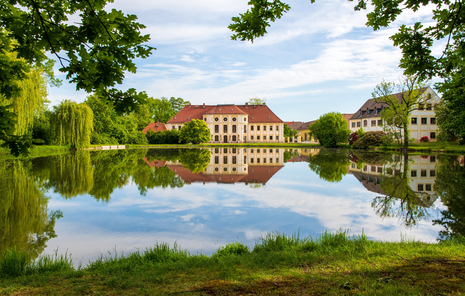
[[15, 263]]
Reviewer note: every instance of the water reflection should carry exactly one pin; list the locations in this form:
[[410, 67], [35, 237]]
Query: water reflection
[[408, 188]]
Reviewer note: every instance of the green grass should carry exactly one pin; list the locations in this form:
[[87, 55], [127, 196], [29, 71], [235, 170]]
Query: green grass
[[331, 264], [37, 151]]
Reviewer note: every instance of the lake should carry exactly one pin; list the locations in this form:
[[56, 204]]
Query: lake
[[89, 203]]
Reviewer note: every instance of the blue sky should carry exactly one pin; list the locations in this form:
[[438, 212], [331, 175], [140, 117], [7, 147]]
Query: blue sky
[[318, 58]]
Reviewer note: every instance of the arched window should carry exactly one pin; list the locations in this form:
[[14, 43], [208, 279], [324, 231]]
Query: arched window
[[365, 123]]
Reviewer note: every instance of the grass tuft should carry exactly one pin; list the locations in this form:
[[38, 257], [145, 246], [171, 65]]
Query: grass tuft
[[232, 249]]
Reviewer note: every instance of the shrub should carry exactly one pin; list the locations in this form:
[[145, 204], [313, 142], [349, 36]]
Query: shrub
[[232, 249], [352, 138], [424, 139], [369, 139]]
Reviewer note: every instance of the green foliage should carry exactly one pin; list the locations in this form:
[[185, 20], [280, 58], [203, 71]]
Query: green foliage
[[330, 165], [94, 54], [195, 131], [232, 249], [195, 160], [41, 128], [289, 133], [253, 23], [450, 186], [256, 101], [330, 129], [369, 139], [71, 124], [164, 137]]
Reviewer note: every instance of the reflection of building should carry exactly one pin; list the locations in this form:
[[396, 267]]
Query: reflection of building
[[422, 174], [301, 155], [230, 123], [422, 120], [233, 165]]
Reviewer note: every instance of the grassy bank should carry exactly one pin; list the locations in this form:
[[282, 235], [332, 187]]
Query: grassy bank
[[333, 264], [37, 151], [448, 147]]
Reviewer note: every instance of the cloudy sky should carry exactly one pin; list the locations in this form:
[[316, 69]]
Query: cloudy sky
[[318, 58]]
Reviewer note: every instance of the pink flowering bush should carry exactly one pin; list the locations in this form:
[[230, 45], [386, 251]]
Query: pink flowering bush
[[352, 138], [424, 139]]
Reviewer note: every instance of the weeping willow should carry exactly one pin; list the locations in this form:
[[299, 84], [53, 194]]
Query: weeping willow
[[30, 101], [71, 124], [24, 222]]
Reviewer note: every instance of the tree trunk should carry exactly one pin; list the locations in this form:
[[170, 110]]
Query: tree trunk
[[405, 140]]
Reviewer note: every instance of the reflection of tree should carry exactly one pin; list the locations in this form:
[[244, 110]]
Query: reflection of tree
[[400, 200], [288, 154], [450, 186], [147, 177], [330, 164], [24, 222], [195, 160]]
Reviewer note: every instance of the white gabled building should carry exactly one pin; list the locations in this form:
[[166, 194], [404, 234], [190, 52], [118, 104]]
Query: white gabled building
[[422, 120]]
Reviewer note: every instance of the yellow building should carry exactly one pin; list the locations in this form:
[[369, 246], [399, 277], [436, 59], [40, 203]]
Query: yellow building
[[230, 123]]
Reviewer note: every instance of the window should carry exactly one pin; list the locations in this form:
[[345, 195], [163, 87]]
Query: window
[[271, 150], [353, 124], [225, 119], [358, 124], [423, 173], [277, 160], [264, 160], [413, 173], [271, 160], [217, 128], [234, 159], [420, 187], [432, 135], [234, 138], [432, 158], [251, 127], [264, 127], [277, 127], [427, 187], [365, 123], [258, 150], [432, 173], [380, 122], [217, 169], [179, 127], [380, 170], [225, 159], [251, 160], [373, 123], [216, 119], [258, 160], [277, 138], [432, 120], [373, 168], [258, 127], [245, 138], [245, 129], [245, 159], [234, 119], [271, 137], [173, 128], [365, 168], [258, 137], [424, 120], [234, 150], [413, 120], [234, 129], [225, 150], [251, 137], [225, 128], [251, 150], [225, 169], [217, 150], [217, 159], [271, 127], [217, 138], [205, 119], [245, 118]]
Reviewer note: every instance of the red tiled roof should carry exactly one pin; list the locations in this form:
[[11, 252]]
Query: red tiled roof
[[260, 114], [257, 113], [155, 126], [225, 109], [299, 125]]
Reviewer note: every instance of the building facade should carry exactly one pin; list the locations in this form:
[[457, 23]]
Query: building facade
[[230, 123], [422, 120]]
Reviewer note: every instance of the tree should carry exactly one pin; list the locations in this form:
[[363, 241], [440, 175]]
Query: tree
[[411, 94], [256, 101], [94, 54], [330, 165], [71, 124], [289, 133], [195, 131], [178, 104], [330, 129]]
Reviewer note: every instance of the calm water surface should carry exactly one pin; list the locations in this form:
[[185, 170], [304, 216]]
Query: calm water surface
[[89, 203]]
